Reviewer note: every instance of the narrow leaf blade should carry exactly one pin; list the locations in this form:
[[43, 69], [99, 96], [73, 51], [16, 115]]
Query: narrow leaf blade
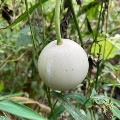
[[69, 107], [115, 111], [24, 15], [60, 109], [19, 110]]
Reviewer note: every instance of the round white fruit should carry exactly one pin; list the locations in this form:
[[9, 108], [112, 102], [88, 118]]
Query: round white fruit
[[63, 67]]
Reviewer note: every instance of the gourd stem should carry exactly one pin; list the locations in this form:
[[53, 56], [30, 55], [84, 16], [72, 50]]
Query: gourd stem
[[57, 22]]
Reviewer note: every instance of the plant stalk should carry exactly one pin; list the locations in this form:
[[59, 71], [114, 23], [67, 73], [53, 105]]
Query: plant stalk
[[57, 22], [76, 23], [31, 28], [113, 88]]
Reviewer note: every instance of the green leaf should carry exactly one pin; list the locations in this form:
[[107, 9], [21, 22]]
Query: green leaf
[[4, 118], [109, 66], [11, 95], [93, 92], [24, 15], [76, 114], [109, 85], [1, 86], [76, 22], [108, 49], [24, 37], [116, 41], [19, 110], [80, 98], [116, 102], [60, 109], [87, 7], [49, 7], [105, 98], [115, 111], [93, 12], [37, 35]]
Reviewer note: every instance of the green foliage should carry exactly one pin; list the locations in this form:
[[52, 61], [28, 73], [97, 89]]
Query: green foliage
[[108, 48], [24, 38], [1, 85], [115, 111], [60, 109], [4, 118], [24, 15], [19, 110], [76, 114], [94, 25]]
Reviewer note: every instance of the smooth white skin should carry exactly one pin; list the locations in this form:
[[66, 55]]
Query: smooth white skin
[[63, 67]]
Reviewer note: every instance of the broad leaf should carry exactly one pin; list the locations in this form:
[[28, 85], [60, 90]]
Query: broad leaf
[[24, 38], [87, 7], [109, 48]]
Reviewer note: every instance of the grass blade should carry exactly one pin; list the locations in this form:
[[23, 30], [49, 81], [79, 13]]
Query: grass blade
[[24, 15], [19, 110], [76, 114]]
